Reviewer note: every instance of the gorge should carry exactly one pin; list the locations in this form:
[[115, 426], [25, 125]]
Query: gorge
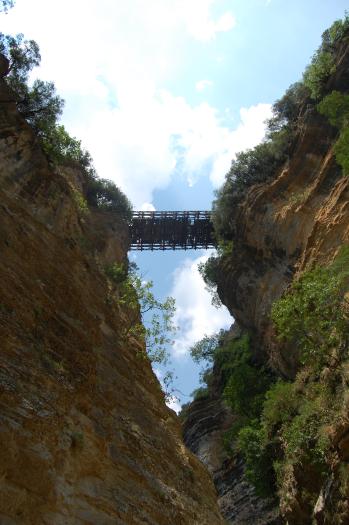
[[86, 436]]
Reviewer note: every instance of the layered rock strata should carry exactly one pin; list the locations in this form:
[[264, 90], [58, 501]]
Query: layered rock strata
[[206, 423], [85, 435], [282, 227]]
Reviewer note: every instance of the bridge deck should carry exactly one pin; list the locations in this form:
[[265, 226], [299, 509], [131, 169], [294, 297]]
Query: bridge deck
[[171, 230]]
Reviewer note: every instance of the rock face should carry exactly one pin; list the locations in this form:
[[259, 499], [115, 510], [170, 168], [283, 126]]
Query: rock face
[[85, 435], [283, 227], [206, 422]]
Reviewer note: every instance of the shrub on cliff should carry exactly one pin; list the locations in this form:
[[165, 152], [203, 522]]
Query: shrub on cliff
[[286, 109], [205, 349]]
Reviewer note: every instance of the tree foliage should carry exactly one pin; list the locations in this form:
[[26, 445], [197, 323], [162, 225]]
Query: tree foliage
[[286, 109], [282, 425], [104, 194], [336, 108], [291, 427], [312, 314], [204, 349], [208, 271], [147, 318], [323, 62]]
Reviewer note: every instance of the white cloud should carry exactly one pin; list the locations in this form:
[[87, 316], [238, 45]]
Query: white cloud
[[174, 404], [203, 84], [110, 65], [194, 311], [147, 206], [199, 23], [248, 134]]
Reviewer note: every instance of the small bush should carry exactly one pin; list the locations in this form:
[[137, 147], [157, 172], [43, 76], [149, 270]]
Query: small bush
[[245, 389], [258, 455], [280, 406], [104, 194], [117, 273], [250, 167], [341, 150], [286, 110]]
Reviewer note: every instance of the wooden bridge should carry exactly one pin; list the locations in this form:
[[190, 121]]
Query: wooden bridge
[[171, 230]]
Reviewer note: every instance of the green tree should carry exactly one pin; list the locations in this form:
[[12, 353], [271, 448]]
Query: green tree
[[323, 62], [204, 350], [286, 109], [147, 318], [39, 103], [105, 194], [209, 271], [41, 107], [336, 108], [23, 56]]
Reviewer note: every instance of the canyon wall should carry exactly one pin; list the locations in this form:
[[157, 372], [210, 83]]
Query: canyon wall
[[85, 435], [282, 228]]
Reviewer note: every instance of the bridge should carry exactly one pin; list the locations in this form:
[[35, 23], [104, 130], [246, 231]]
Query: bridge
[[171, 230]]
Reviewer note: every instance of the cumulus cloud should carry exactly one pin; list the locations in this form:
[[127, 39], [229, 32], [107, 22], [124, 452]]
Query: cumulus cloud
[[194, 312], [201, 85], [110, 65], [249, 133], [197, 16]]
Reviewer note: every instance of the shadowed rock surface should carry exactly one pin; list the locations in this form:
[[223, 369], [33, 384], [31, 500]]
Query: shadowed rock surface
[[85, 435], [206, 422]]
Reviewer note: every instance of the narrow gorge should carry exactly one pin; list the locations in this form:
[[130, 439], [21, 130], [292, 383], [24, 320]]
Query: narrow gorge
[[85, 433]]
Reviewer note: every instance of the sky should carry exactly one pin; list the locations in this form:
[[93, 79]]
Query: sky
[[164, 93]]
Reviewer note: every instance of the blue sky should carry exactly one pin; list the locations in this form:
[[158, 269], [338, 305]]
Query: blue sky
[[164, 93]]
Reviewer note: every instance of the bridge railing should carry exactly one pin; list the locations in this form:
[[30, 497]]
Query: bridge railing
[[171, 230]]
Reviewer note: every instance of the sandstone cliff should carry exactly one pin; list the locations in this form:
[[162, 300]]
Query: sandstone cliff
[[85, 435], [281, 228]]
